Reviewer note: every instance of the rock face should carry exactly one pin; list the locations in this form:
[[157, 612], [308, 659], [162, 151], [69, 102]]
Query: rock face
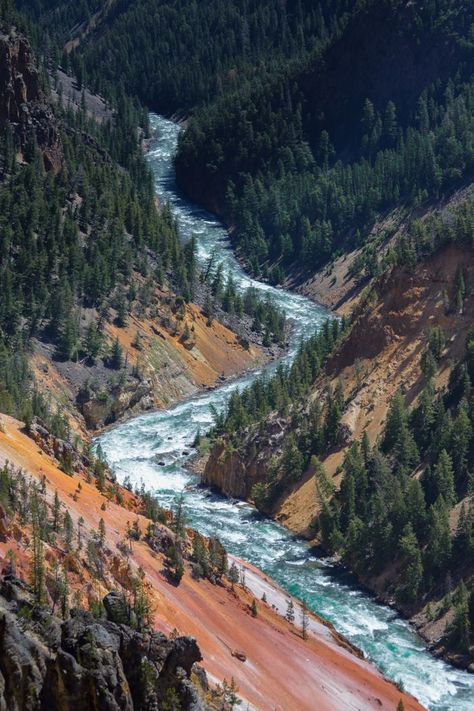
[[60, 449], [22, 102], [234, 472], [98, 412], [87, 664], [230, 473]]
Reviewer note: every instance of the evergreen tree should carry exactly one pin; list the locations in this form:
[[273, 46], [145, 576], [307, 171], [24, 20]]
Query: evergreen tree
[[68, 531], [444, 478], [37, 570], [413, 567], [460, 629], [290, 611], [233, 575], [56, 512], [116, 355], [304, 621]]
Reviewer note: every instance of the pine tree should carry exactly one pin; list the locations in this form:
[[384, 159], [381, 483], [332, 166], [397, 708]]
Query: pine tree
[[93, 342], [80, 525], [324, 486], [99, 473], [304, 621], [233, 575], [142, 604], [101, 533], [116, 355], [290, 611], [56, 512], [412, 562], [37, 570], [68, 531], [460, 629], [396, 422], [439, 546], [230, 693], [122, 311], [444, 478], [174, 562]]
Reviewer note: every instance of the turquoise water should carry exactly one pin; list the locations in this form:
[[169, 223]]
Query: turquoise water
[[135, 448]]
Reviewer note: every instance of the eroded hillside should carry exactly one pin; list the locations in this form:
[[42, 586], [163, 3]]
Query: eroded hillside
[[322, 460], [219, 614]]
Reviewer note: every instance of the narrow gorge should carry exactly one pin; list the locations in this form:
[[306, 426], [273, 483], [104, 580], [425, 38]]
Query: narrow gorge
[[155, 448]]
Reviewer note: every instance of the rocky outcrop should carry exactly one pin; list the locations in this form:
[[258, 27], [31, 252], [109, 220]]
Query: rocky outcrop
[[234, 472], [87, 664], [60, 449], [230, 473], [22, 101], [105, 408]]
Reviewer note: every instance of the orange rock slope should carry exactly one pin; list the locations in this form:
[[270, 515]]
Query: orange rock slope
[[180, 352], [383, 354], [281, 671]]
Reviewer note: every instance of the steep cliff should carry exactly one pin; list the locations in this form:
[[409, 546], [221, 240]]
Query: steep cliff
[[86, 662], [167, 349], [382, 352], [264, 655], [166, 356], [387, 351], [22, 101]]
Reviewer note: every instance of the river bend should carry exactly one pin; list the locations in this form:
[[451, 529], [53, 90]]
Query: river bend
[[134, 449]]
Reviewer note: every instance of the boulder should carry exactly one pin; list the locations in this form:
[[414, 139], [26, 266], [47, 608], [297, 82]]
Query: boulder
[[89, 664]]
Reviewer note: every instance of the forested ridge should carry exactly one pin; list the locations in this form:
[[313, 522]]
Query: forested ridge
[[386, 520], [82, 242], [398, 511], [303, 161], [296, 136], [74, 236], [175, 54], [307, 123]]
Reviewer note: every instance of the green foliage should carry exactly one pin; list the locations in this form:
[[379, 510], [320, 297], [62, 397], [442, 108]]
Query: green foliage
[[315, 431], [37, 568], [295, 197], [15, 383], [233, 575], [179, 517], [116, 355], [223, 42], [411, 559], [74, 239], [230, 692], [386, 519], [266, 317], [277, 393], [142, 602], [174, 563]]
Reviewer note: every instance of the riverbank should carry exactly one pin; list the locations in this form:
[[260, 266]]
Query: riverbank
[[272, 657], [150, 449], [382, 355]]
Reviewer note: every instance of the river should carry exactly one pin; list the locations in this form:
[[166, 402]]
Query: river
[[134, 449]]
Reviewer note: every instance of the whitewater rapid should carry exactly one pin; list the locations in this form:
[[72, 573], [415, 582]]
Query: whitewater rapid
[[136, 448]]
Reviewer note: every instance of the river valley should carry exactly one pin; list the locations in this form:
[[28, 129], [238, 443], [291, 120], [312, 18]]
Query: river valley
[[136, 448]]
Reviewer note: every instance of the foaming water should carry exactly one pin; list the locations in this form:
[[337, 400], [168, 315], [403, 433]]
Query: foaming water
[[151, 448]]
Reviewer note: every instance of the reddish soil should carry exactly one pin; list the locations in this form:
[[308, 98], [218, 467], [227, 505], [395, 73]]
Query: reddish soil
[[382, 354], [281, 671]]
